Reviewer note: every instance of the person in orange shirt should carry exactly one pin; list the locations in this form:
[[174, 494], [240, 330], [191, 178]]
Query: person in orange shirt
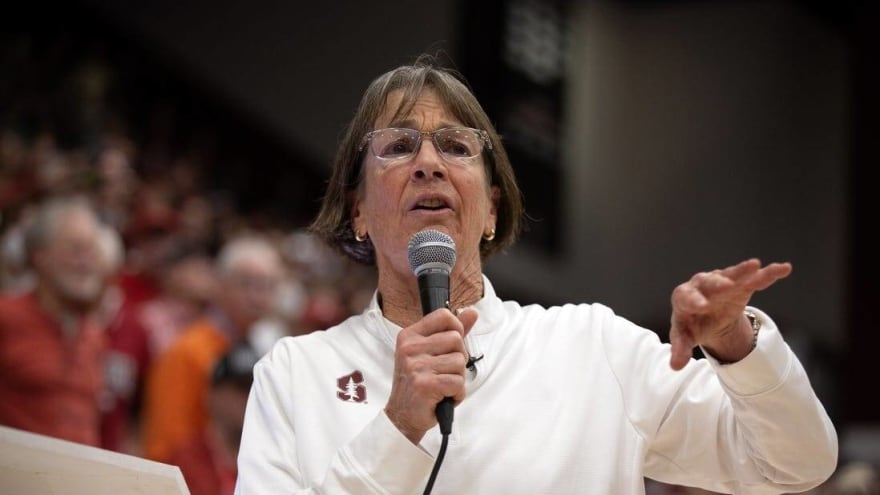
[[51, 344], [175, 409], [207, 461]]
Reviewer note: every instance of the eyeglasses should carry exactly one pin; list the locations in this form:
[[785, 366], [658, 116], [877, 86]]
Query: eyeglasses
[[453, 143]]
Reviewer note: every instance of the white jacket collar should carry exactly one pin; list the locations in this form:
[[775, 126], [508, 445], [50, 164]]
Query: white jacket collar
[[489, 306]]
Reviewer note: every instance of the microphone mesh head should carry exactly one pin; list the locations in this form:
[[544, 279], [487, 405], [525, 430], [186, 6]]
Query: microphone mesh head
[[431, 247]]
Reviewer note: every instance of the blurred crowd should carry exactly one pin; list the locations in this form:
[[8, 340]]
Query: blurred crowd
[[136, 295], [123, 291]]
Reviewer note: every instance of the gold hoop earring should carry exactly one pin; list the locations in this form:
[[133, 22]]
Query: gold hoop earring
[[360, 238], [490, 235]]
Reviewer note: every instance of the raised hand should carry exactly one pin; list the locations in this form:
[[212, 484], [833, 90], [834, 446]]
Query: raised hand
[[707, 310]]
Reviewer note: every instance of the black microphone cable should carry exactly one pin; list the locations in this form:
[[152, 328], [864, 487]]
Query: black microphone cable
[[444, 430], [445, 413]]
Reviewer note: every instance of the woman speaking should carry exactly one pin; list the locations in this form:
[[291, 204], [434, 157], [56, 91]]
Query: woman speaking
[[562, 400]]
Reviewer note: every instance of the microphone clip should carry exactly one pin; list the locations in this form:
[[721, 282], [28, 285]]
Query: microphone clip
[[472, 361]]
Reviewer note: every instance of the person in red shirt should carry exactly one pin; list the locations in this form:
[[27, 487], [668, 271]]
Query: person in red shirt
[[51, 347], [153, 254], [208, 460]]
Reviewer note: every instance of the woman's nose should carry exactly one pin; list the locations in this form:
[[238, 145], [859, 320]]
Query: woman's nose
[[428, 163]]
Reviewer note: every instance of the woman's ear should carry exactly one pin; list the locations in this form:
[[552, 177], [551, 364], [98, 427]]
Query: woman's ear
[[494, 198], [355, 213]]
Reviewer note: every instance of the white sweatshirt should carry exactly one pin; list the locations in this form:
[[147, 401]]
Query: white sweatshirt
[[566, 400]]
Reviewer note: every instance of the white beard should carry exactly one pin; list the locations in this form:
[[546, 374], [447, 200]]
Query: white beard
[[81, 289]]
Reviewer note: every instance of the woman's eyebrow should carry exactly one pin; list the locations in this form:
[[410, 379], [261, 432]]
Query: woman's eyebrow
[[409, 123]]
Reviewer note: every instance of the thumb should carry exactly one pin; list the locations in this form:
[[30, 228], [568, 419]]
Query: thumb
[[682, 348], [468, 317]]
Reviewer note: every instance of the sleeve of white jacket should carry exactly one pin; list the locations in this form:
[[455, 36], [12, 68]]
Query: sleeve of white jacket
[[763, 431], [379, 460]]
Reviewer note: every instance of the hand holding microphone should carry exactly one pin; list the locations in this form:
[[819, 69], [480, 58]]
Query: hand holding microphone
[[430, 358]]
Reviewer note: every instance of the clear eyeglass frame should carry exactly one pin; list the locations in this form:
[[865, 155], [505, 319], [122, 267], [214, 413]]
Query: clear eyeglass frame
[[472, 142]]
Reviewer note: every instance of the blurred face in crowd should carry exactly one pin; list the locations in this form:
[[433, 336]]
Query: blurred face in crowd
[[71, 265], [401, 197], [250, 287], [191, 282], [117, 176]]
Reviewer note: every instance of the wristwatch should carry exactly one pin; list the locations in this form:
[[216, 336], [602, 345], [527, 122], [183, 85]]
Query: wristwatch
[[755, 321]]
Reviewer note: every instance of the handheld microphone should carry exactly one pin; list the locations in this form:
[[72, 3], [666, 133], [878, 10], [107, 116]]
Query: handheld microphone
[[431, 256]]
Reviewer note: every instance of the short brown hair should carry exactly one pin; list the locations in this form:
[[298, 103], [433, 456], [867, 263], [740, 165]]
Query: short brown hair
[[333, 223]]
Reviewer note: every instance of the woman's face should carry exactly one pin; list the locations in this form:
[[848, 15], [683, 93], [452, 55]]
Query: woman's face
[[402, 197]]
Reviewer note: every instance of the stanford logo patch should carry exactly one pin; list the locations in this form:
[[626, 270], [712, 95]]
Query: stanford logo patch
[[351, 387]]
